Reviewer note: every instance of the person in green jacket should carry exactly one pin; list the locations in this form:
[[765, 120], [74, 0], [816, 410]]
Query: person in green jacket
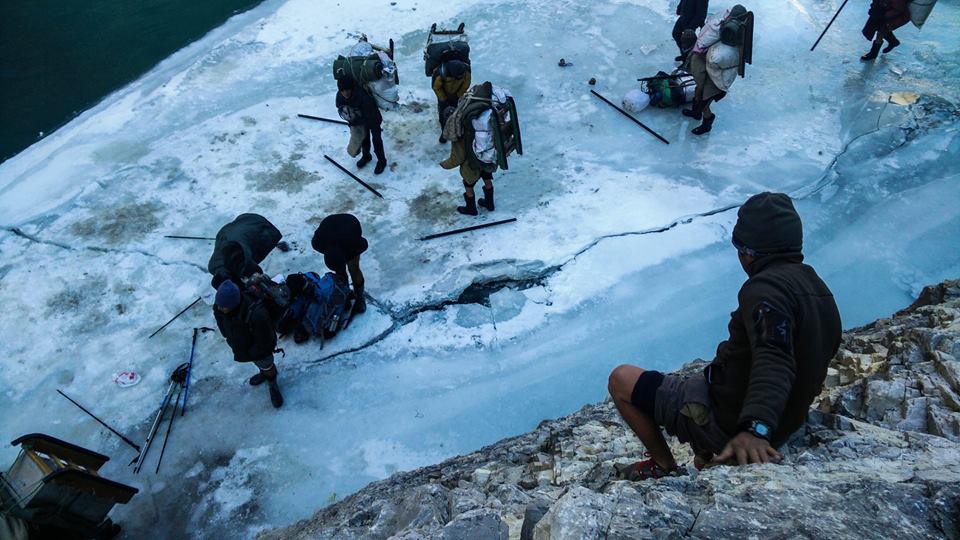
[[757, 390]]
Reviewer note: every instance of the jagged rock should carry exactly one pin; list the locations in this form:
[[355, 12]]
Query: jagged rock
[[878, 456]]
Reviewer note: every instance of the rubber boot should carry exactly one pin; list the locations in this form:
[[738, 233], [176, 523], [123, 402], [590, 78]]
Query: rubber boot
[[263, 375], [892, 42], [381, 165], [443, 140], [471, 206], [270, 375], [696, 112], [705, 127], [874, 51], [366, 158], [487, 200], [360, 302]]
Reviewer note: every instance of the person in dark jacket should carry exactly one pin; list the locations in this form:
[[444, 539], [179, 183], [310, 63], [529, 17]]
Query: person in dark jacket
[[340, 239], [240, 247], [451, 80], [246, 325], [691, 15], [884, 17], [757, 390], [360, 110]]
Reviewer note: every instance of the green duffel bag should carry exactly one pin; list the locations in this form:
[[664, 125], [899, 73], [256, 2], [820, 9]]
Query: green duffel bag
[[363, 69]]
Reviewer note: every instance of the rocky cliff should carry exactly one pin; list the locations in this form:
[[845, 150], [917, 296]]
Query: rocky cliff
[[878, 458]]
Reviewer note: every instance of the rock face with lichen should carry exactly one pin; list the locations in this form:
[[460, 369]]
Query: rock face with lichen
[[878, 457]]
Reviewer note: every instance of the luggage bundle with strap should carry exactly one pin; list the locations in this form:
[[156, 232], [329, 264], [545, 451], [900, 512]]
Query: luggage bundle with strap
[[491, 127], [275, 297], [669, 90], [444, 45], [733, 50], [372, 67], [322, 307]]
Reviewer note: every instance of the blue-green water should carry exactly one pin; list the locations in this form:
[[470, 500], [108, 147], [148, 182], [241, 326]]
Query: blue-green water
[[60, 57]]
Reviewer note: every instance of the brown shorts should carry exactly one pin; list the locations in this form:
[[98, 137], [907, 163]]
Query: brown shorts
[[698, 68], [683, 408]]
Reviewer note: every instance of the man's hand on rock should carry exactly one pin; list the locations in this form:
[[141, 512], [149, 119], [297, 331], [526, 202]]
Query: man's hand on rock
[[748, 449]]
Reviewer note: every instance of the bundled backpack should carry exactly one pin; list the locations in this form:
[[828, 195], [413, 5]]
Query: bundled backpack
[[444, 45], [273, 296], [373, 68], [322, 308], [669, 90]]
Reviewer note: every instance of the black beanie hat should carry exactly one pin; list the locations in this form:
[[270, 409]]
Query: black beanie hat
[[345, 83], [767, 224]]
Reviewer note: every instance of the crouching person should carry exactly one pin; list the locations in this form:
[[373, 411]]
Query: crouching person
[[247, 327], [760, 385]]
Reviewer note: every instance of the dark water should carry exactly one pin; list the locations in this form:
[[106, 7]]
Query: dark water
[[60, 57]]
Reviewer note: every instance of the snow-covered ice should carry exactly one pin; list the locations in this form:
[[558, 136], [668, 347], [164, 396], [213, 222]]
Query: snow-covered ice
[[620, 253]]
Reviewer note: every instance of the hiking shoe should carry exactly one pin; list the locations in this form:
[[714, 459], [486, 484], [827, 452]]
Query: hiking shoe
[[276, 398], [257, 379], [364, 160], [892, 43], [679, 58], [381, 165], [692, 113], [643, 470], [705, 127], [874, 51], [443, 140], [360, 305]]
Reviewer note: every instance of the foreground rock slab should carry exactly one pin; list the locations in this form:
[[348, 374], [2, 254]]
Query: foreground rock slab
[[878, 458]]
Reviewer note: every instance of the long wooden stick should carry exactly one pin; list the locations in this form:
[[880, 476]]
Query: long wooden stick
[[320, 118], [628, 115], [467, 229], [175, 317], [828, 25], [355, 177]]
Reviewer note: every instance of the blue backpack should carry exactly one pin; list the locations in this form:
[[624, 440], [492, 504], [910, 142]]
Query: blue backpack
[[322, 308]]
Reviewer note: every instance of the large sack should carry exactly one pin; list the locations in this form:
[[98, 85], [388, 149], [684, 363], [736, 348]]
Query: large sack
[[636, 100], [723, 62], [384, 90], [920, 10], [484, 147], [241, 246]]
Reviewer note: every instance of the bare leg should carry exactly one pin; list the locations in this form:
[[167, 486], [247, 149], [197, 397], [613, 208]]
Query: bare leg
[[707, 113], [468, 189], [620, 385]]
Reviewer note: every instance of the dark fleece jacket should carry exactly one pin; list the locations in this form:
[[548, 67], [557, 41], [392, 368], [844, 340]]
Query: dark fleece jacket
[[248, 330], [783, 335], [340, 239]]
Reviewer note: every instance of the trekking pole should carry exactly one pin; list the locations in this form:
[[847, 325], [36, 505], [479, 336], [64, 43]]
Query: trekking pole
[[468, 229], [186, 384], [188, 237], [625, 113], [828, 25], [184, 310], [322, 119], [166, 436], [153, 428], [355, 177], [102, 423]]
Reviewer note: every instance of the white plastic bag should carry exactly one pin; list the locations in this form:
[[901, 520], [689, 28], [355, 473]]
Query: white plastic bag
[[722, 64], [636, 100]]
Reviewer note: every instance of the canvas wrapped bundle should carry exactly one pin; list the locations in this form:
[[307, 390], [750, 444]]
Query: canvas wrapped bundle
[[444, 45], [374, 69]]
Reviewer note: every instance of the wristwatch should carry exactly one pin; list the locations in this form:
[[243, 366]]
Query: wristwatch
[[758, 429]]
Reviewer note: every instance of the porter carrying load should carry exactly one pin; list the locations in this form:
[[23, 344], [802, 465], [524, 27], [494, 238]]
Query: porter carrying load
[[372, 67], [445, 45], [240, 247]]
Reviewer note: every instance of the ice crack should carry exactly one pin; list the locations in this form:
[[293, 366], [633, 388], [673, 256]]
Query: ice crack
[[98, 249]]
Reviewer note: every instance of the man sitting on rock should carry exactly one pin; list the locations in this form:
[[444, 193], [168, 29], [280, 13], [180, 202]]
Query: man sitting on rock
[[758, 388]]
